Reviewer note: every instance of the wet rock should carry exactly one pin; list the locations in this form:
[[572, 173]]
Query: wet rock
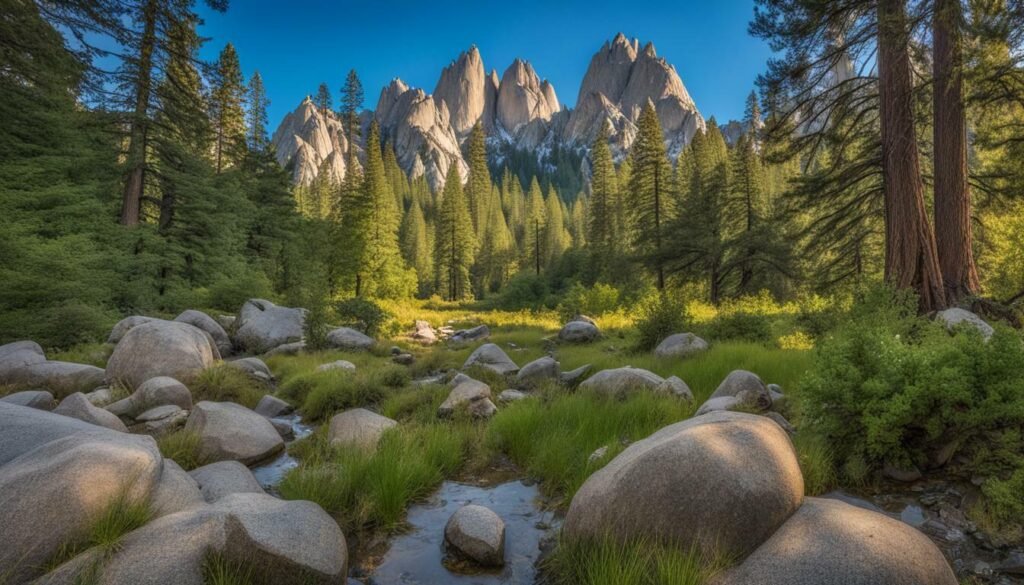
[[161, 348], [206, 323], [723, 483], [579, 332], [852, 500], [224, 478], [680, 345], [271, 406], [511, 396], [477, 533], [229, 431], [262, 326], [153, 392], [538, 371], [493, 358], [283, 428], [40, 399], [828, 542], [953, 318], [358, 427], [78, 406], [348, 338], [337, 365], [465, 391], [572, 378], [473, 334]]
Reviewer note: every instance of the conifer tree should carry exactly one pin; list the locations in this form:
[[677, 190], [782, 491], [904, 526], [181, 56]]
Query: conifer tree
[[478, 187], [227, 110], [323, 101], [496, 259], [258, 102], [351, 103], [534, 222], [416, 247], [604, 238], [455, 247], [556, 238], [650, 192]]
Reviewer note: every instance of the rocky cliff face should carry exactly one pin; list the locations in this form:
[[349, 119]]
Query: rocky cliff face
[[519, 111]]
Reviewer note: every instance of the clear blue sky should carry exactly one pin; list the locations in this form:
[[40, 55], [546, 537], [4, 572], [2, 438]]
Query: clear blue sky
[[296, 44]]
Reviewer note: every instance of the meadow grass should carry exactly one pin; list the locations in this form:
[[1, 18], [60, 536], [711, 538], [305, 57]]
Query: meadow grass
[[609, 562], [93, 354], [321, 394], [816, 462], [182, 447], [223, 383]]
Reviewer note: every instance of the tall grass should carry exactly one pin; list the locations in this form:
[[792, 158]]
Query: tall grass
[[553, 438], [224, 383], [322, 394], [609, 562], [182, 447]]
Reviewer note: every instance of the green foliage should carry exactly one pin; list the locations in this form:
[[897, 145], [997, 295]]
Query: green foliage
[[324, 393], [659, 316], [816, 463], [362, 314], [121, 517], [595, 301], [651, 197], [526, 290], [229, 294], [1006, 499], [183, 448], [740, 327], [224, 383], [454, 242], [610, 562]]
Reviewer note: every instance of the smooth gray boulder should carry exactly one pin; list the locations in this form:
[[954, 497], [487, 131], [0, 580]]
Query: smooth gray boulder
[[348, 338], [579, 332], [23, 429], [337, 365], [78, 406], [101, 397], [621, 381], [284, 428], [358, 427], [952, 318], [747, 388], [127, 324], [572, 378], [293, 348], [680, 345], [511, 396], [18, 354], [481, 409], [171, 418], [254, 367], [538, 371], [262, 326], [829, 542], [478, 534], [206, 323], [53, 493], [781, 421], [465, 391], [472, 334], [493, 358], [159, 413], [161, 348], [60, 378], [722, 483], [224, 478], [721, 403], [271, 406], [40, 399], [285, 542], [228, 431], [176, 491], [151, 393]]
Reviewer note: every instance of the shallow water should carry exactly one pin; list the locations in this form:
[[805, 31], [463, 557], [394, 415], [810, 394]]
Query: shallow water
[[271, 473], [418, 556]]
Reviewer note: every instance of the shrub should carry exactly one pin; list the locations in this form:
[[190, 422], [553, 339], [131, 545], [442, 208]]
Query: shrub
[[229, 293], [659, 316], [362, 314], [740, 327], [525, 290], [596, 300], [315, 326]]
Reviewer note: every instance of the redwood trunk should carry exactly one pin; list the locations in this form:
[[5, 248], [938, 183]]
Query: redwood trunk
[[131, 202], [911, 260], [953, 237]]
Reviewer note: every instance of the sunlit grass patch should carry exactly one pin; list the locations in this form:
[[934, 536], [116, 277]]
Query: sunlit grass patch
[[608, 562], [224, 383], [182, 447], [415, 404], [553, 437], [321, 394]]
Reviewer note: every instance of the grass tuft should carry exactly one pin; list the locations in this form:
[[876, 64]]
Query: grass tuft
[[609, 562], [183, 448], [224, 383]]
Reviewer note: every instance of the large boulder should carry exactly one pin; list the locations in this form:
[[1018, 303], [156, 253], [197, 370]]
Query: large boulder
[[40, 399], [348, 338], [127, 324], [78, 406], [228, 431], [723, 483], [829, 542], [478, 534], [493, 358], [747, 388], [680, 345], [358, 427], [538, 371], [953, 318], [271, 406], [261, 325], [579, 332], [206, 323], [60, 378], [17, 355], [53, 490], [158, 391], [254, 367], [176, 491], [466, 392], [621, 381], [224, 478], [161, 348], [286, 542]]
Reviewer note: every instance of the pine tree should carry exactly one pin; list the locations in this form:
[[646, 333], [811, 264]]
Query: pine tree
[[227, 110], [556, 238], [323, 101], [604, 237], [454, 247], [650, 193], [416, 247], [534, 222], [258, 102], [478, 187], [351, 103]]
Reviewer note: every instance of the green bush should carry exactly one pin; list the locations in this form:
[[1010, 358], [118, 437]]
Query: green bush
[[325, 393], [362, 314], [740, 327], [525, 290], [229, 293], [597, 300], [659, 316]]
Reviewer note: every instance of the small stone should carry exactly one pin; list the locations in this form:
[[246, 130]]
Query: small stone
[[598, 454], [271, 406], [358, 427], [477, 533], [404, 359], [511, 396], [337, 365], [348, 338]]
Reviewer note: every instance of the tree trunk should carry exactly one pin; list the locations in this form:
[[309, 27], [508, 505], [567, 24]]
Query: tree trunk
[[911, 260], [953, 237], [131, 202]]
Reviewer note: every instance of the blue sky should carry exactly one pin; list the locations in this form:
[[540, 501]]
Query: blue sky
[[299, 43]]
